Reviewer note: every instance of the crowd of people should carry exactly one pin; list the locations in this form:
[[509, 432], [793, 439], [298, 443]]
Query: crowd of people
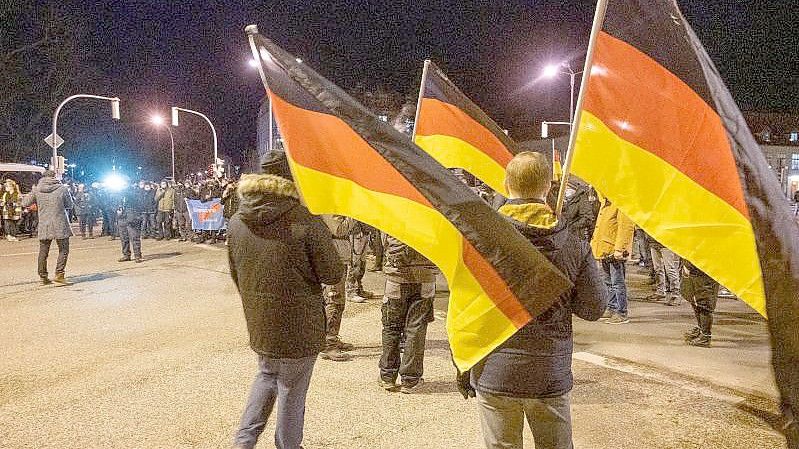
[[296, 272]]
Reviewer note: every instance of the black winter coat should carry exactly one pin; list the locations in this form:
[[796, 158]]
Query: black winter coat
[[279, 256], [536, 361]]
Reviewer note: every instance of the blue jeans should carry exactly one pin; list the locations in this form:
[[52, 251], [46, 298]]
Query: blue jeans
[[617, 289], [284, 380]]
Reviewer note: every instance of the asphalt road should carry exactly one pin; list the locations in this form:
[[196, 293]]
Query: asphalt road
[[155, 355]]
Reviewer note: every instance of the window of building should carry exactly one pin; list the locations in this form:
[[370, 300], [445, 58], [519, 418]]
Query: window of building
[[795, 161], [794, 137]]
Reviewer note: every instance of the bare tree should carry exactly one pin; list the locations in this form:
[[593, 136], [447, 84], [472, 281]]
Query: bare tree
[[41, 62]]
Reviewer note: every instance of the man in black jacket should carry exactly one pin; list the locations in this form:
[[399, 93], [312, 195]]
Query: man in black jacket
[[129, 222], [279, 256], [529, 375]]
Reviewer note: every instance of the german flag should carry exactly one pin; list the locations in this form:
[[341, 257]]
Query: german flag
[[660, 135], [347, 162], [457, 133]]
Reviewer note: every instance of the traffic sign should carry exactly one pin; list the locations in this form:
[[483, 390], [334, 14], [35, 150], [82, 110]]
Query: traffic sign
[[58, 141]]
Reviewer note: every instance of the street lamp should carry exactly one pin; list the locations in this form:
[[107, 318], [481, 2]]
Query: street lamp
[[114, 114], [175, 122], [554, 70], [159, 121]]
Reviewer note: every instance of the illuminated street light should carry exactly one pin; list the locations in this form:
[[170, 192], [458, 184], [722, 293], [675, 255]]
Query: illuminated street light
[[553, 70], [159, 121], [252, 63]]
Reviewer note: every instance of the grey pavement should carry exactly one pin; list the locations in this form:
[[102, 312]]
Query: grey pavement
[[155, 355]]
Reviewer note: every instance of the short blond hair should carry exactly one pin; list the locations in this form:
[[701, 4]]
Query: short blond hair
[[529, 175]]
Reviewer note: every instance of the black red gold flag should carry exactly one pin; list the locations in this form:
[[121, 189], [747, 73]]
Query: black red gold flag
[[660, 135], [346, 161], [457, 133]]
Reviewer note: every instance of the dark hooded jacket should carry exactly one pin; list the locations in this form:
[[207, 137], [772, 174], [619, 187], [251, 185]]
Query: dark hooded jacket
[[52, 199], [536, 361], [279, 256]]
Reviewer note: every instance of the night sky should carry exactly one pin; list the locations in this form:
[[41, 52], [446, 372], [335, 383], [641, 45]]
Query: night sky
[[154, 54]]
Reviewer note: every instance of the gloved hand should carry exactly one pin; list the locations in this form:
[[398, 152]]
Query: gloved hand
[[464, 385]]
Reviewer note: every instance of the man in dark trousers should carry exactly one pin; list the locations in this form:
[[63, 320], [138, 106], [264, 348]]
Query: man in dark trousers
[[701, 291], [130, 217], [279, 257], [54, 202], [529, 375]]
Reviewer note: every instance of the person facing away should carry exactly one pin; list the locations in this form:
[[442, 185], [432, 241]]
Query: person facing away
[[130, 218], [280, 255], [529, 375], [53, 202], [611, 244]]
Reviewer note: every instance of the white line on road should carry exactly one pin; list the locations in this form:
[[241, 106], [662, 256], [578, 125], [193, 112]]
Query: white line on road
[[651, 374]]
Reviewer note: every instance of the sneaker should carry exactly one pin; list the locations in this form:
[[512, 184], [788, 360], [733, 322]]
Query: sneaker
[[334, 353], [691, 334], [60, 279], [408, 388], [45, 280], [389, 384], [124, 259], [605, 316], [356, 298], [138, 260], [674, 300], [702, 341], [344, 347], [11, 238], [618, 318]]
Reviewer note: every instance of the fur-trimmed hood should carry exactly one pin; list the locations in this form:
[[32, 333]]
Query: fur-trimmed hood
[[265, 198]]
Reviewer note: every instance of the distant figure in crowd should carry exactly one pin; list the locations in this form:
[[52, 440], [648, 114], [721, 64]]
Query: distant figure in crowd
[[165, 196], [182, 212], [129, 222], [11, 206], [85, 205], [279, 256], [701, 291], [53, 201], [611, 244], [529, 375], [148, 211], [666, 265], [578, 211]]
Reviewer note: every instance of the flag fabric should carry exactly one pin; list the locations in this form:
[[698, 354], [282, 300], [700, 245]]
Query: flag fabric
[[347, 162], [457, 133], [206, 215], [661, 136]]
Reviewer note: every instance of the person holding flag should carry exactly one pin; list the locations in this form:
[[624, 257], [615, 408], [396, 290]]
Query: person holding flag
[[529, 375]]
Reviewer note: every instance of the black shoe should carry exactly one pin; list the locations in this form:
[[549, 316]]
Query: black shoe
[[159, 238], [691, 334], [408, 388], [124, 259], [45, 280], [388, 384], [702, 341]]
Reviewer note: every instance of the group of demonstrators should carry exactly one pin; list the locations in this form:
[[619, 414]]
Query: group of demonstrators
[[295, 272], [144, 210]]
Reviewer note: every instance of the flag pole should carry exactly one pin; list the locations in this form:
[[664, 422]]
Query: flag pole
[[599, 20], [427, 63]]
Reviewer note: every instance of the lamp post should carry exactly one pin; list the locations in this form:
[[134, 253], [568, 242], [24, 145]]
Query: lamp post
[[175, 122], [157, 120], [254, 63], [114, 114], [554, 70]]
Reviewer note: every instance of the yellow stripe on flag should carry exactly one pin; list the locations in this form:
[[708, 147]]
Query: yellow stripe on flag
[[452, 152], [475, 325], [672, 208]]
